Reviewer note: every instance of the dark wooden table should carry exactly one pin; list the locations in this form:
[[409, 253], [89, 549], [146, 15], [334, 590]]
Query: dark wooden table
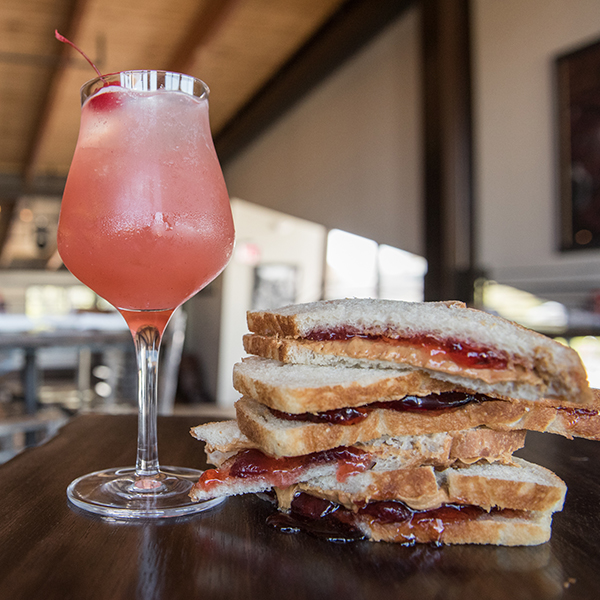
[[49, 550]]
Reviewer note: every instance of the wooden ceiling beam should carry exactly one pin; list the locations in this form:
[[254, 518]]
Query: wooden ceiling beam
[[7, 209], [449, 203], [208, 21], [352, 26], [11, 186], [54, 83]]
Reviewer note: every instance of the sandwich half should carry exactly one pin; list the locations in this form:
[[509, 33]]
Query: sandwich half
[[510, 505], [290, 409], [451, 342], [243, 466]]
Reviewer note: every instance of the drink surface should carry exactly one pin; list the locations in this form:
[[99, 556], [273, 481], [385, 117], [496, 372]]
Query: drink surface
[[145, 218]]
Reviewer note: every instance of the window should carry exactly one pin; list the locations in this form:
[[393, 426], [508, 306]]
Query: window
[[358, 267]]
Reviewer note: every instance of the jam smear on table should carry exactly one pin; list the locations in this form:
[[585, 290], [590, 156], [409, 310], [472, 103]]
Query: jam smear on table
[[350, 416], [282, 472], [462, 353], [320, 518]]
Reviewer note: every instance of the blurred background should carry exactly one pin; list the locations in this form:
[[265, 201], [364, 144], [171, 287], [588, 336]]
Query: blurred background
[[372, 148]]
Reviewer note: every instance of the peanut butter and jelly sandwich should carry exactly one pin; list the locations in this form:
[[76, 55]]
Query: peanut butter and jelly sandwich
[[453, 343], [395, 421]]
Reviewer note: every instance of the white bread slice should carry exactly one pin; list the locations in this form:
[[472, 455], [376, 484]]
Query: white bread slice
[[536, 366], [518, 486], [515, 382], [280, 437], [299, 388], [223, 439], [221, 435]]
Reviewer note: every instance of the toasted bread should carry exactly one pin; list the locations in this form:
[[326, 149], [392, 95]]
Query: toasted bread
[[306, 388]]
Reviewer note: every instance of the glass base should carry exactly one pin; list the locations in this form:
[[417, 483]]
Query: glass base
[[121, 494]]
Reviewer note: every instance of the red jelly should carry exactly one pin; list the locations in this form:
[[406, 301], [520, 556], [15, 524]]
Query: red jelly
[[397, 512], [324, 518], [578, 412], [350, 416], [341, 416], [283, 472], [320, 518], [575, 415], [462, 353]]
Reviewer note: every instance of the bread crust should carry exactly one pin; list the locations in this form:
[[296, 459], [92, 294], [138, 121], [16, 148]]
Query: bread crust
[[519, 495]]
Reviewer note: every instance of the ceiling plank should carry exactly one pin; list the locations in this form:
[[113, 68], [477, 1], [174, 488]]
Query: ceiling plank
[[71, 29], [355, 24], [205, 25]]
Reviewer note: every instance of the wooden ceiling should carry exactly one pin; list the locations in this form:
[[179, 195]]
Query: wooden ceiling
[[257, 57]]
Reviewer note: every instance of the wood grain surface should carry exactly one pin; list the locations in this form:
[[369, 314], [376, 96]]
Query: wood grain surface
[[49, 550]]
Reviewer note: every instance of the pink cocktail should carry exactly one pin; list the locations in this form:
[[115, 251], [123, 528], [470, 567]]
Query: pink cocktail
[[146, 223]]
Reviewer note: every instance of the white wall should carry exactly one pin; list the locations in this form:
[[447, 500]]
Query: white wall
[[515, 44], [349, 155], [276, 238]]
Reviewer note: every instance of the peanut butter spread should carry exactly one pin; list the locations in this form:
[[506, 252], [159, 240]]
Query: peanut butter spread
[[418, 488], [419, 356]]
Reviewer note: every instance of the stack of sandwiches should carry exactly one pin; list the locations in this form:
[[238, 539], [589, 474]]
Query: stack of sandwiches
[[395, 421]]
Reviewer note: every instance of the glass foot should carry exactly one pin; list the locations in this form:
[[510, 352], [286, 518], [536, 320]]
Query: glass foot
[[121, 494]]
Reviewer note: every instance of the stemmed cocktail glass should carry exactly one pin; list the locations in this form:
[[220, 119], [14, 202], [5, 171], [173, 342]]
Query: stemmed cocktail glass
[[145, 222]]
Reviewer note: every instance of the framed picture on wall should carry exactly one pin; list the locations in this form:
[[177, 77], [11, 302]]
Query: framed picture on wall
[[274, 285], [578, 79]]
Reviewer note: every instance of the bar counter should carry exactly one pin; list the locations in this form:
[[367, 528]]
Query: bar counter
[[50, 550]]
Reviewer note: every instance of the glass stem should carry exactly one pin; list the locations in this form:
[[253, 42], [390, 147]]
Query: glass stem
[[147, 343]]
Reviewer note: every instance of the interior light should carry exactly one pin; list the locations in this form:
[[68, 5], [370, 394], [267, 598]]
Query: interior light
[[26, 215], [583, 237]]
